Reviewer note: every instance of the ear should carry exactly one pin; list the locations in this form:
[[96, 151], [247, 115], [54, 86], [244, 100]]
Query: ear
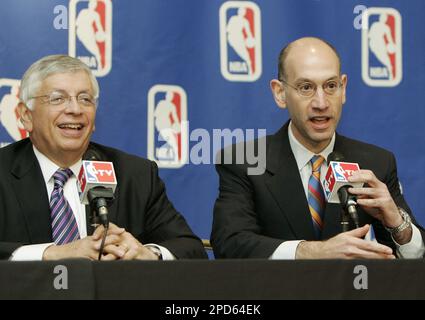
[[344, 80], [279, 93], [25, 116]]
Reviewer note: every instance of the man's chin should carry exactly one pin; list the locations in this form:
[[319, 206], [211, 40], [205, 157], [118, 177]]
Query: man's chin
[[74, 146], [321, 139]]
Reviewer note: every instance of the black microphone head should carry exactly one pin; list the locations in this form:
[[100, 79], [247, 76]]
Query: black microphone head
[[92, 155], [335, 156]]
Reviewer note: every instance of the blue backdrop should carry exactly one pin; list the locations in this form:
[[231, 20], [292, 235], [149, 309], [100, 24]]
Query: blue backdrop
[[216, 59]]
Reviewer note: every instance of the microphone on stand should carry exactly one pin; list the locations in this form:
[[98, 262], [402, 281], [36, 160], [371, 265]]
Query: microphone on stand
[[96, 185]]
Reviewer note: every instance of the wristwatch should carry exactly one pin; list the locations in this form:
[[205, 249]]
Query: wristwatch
[[407, 222], [156, 251]]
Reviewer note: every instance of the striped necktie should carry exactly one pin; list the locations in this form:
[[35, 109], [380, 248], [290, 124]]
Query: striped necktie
[[64, 225], [316, 198]]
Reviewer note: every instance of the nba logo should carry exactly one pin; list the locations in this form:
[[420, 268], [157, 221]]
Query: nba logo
[[340, 173], [10, 127], [344, 170], [91, 171], [381, 47], [240, 41], [90, 34], [94, 174], [167, 126]]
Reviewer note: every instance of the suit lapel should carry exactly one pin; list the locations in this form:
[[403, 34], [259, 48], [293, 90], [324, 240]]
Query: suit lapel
[[30, 191], [284, 183]]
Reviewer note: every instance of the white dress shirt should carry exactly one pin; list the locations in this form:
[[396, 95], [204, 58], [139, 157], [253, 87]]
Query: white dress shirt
[[70, 190], [286, 250]]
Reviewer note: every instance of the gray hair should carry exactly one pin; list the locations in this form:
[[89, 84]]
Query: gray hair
[[47, 66]]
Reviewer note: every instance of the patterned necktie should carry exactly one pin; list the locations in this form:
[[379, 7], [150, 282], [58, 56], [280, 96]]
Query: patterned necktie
[[64, 225], [316, 198]]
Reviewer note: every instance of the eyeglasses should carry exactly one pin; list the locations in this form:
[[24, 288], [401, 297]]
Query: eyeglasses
[[308, 89], [60, 98]]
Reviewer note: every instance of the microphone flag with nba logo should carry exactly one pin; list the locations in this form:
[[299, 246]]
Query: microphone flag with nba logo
[[94, 174], [337, 176]]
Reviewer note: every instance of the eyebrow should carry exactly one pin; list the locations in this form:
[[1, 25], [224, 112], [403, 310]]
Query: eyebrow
[[309, 80], [64, 91]]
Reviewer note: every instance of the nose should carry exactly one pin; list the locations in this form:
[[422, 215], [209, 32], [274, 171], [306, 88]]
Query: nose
[[320, 100], [72, 106]]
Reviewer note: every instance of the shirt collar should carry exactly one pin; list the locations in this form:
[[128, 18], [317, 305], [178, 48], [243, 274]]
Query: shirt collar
[[302, 154], [48, 167]]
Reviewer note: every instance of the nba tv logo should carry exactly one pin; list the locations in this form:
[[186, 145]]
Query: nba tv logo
[[11, 126], [381, 47], [90, 34], [168, 140], [99, 171], [240, 41]]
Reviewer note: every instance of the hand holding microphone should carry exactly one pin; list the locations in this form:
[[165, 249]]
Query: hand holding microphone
[[377, 201], [343, 184], [336, 186]]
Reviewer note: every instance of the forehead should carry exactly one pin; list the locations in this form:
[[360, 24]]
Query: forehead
[[316, 63], [71, 82]]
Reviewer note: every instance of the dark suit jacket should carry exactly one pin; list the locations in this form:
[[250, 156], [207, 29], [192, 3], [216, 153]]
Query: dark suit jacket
[[141, 205], [254, 214]]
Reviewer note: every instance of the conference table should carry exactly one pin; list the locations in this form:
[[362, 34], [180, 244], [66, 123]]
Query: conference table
[[222, 280]]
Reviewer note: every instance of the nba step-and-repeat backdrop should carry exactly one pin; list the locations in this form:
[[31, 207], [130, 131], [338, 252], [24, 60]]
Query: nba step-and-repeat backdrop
[[178, 75]]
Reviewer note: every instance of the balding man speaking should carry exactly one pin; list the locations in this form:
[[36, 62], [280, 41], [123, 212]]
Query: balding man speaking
[[282, 214]]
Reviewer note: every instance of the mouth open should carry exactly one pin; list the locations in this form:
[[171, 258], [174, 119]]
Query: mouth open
[[71, 130], [320, 122], [71, 126]]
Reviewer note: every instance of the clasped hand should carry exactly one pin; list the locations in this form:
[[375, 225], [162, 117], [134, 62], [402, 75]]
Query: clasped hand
[[119, 245]]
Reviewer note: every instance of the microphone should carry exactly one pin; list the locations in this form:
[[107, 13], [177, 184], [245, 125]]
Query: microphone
[[349, 203], [335, 186], [96, 185]]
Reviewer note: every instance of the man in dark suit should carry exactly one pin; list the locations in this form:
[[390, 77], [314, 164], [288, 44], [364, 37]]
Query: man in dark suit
[[281, 213], [41, 216]]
